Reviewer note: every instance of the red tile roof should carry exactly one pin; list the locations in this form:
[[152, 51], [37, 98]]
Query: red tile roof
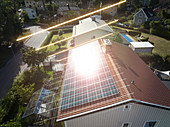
[[126, 66]]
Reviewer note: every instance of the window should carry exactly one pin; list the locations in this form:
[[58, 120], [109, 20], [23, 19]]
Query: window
[[151, 124], [127, 107], [126, 124], [140, 15], [139, 21], [93, 37]]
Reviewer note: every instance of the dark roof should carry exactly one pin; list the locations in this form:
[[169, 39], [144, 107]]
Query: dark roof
[[126, 67], [149, 12], [147, 86]]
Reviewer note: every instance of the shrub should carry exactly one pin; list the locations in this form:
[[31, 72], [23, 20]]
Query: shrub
[[50, 35], [134, 33], [167, 21], [168, 27], [145, 25], [157, 29], [144, 39], [106, 16], [123, 19], [143, 30], [160, 32]]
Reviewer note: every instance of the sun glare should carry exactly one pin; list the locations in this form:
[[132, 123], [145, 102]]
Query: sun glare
[[85, 59]]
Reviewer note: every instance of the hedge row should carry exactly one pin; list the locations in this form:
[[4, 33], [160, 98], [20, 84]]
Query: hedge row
[[54, 32]]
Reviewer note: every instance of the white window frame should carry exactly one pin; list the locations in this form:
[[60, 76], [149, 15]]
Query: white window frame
[[130, 124], [156, 125]]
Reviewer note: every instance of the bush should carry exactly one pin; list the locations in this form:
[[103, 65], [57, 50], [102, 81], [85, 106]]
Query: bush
[[133, 33], [143, 30], [157, 29], [156, 61], [160, 32], [167, 21], [106, 16], [168, 27], [50, 35], [144, 39], [123, 19], [54, 32], [145, 25]]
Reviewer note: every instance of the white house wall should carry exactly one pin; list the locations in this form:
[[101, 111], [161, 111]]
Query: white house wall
[[144, 50], [89, 36], [140, 17], [115, 117]]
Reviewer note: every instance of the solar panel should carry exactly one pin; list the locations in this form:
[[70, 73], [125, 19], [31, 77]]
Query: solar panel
[[87, 78]]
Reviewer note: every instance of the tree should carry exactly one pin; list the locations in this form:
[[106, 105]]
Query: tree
[[60, 32], [10, 25], [32, 57], [24, 16], [153, 3], [61, 43], [145, 25], [71, 14]]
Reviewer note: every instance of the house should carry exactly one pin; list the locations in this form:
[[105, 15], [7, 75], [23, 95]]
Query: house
[[34, 4], [143, 47], [111, 11], [65, 6], [146, 2], [143, 15], [104, 89], [90, 28], [116, 89], [30, 12]]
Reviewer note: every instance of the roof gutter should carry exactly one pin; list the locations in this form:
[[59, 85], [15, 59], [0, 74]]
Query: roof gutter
[[115, 104]]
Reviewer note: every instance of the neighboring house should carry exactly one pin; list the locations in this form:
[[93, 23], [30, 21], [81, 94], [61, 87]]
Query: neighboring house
[[31, 12], [112, 11], [116, 89], [146, 2], [90, 28], [33, 4], [65, 6], [142, 47], [143, 15]]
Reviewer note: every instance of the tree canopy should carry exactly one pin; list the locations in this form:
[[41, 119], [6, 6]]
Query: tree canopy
[[10, 25], [32, 57]]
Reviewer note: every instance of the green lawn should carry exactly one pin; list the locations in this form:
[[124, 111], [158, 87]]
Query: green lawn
[[162, 46], [55, 47]]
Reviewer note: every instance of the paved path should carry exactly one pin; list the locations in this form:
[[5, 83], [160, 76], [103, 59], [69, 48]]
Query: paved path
[[15, 66]]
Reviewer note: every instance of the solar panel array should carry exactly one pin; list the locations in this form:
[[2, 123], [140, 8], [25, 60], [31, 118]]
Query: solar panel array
[[82, 88]]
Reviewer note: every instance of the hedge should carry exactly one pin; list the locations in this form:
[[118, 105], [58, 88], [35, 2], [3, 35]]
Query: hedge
[[54, 32]]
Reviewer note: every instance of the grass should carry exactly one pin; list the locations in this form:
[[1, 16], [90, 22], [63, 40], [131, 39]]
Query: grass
[[55, 47], [116, 37], [162, 45]]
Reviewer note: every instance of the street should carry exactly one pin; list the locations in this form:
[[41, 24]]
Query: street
[[15, 66]]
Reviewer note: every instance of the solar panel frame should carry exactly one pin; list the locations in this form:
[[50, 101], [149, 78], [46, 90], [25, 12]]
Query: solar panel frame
[[79, 89]]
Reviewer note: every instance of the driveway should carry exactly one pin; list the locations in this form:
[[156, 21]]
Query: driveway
[[15, 65]]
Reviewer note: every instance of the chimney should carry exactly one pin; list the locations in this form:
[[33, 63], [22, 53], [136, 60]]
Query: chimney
[[93, 18]]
